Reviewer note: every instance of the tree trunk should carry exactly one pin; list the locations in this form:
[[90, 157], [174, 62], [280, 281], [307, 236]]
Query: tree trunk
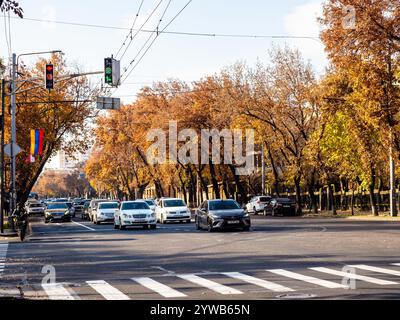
[[313, 198], [332, 199], [275, 172], [214, 180], [297, 181], [372, 199], [242, 191]]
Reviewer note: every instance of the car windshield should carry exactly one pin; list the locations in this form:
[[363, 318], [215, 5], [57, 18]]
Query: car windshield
[[223, 205], [35, 205], [52, 206], [150, 202], [86, 205], [134, 206], [110, 205], [174, 203], [265, 199], [284, 200]]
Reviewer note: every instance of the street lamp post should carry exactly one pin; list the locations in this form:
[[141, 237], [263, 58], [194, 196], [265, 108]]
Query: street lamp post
[[13, 139]]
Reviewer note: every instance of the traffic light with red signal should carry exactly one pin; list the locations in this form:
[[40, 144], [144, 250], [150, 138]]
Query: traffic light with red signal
[[49, 76]]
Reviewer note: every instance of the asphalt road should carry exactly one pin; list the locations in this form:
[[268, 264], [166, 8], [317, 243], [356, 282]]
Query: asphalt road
[[280, 258]]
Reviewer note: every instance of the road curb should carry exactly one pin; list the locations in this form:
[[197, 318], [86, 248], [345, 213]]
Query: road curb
[[9, 234]]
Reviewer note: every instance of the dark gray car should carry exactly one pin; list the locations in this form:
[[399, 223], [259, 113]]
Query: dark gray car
[[221, 214]]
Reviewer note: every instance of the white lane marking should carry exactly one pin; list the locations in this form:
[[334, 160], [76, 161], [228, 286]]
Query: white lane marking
[[212, 285], [56, 291], [158, 287], [3, 255], [313, 280], [376, 269], [82, 225], [353, 276], [107, 290], [258, 282]]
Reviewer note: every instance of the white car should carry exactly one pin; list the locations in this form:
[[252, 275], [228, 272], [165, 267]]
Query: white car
[[151, 203], [35, 208], [134, 213], [104, 212], [172, 209], [258, 204]]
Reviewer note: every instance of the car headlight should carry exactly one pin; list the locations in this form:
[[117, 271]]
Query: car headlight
[[215, 216], [246, 215]]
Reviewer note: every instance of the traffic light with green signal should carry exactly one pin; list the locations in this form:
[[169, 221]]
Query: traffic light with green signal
[[111, 72], [108, 79]]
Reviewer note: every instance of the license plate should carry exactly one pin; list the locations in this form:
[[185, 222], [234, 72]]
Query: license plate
[[233, 222], [286, 206], [140, 220]]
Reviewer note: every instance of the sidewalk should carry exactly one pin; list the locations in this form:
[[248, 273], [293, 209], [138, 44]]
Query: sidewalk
[[383, 216]]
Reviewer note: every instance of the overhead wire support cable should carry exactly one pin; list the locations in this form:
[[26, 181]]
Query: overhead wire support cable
[[147, 41], [131, 30], [137, 32], [148, 48]]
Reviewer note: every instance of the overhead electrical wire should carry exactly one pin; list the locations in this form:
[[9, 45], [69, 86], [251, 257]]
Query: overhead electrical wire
[[6, 36], [148, 48], [184, 33], [131, 30], [147, 41], [137, 32]]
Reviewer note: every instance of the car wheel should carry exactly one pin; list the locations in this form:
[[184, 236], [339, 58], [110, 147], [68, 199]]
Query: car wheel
[[46, 221], [210, 227], [153, 226], [98, 222], [188, 221], [246, 229]]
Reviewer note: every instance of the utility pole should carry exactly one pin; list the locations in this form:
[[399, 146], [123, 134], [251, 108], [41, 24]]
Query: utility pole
[[262, 169], [13, 199], [393, 207], [2, 158]]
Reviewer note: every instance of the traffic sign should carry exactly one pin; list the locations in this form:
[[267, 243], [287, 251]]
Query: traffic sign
[[108, 103], [7, 149]]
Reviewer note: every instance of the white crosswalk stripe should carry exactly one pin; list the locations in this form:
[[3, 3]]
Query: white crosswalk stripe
[[309, 279], [3, 256], [349, 275], [56, 291], [158, 287], [107, 290], [258, 282], [376, 269], [212, 285]]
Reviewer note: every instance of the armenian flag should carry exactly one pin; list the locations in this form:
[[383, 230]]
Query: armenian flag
[[37, 141]]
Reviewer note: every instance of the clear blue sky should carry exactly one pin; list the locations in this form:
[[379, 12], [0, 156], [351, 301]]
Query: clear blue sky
[[185, 57]]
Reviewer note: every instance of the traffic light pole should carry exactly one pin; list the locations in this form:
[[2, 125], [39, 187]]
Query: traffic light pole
[[2, 158], [13, 198]]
